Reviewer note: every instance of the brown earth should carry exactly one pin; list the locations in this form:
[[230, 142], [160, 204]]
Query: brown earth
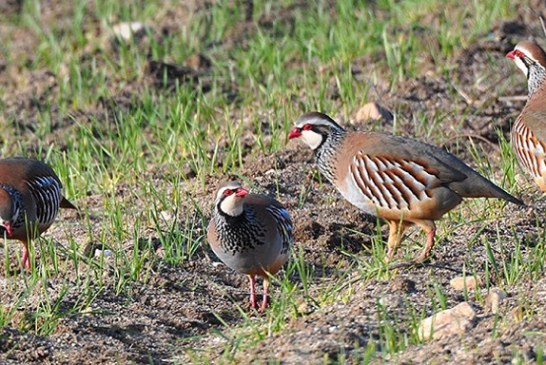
[[179, 307]]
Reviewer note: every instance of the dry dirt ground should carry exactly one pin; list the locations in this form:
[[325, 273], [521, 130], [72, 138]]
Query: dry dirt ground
[[180, 306]]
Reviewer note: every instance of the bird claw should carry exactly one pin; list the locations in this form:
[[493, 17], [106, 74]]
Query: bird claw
[[422, 257], [260, 309]]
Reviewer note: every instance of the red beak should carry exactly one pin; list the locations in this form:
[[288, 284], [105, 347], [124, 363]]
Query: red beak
[[241, 193], [294, 133], [511, 55]]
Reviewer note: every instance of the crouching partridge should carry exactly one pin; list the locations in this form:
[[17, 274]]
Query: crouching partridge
[[401, 180], [251, 234], [30, 198], [528, 134]]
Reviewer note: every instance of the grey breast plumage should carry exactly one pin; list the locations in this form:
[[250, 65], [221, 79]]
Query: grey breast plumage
[[254, 241]]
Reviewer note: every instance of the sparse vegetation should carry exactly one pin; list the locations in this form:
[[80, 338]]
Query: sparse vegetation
[[142, 130]]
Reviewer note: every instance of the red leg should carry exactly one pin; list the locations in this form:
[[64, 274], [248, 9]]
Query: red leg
[[430, 228], [266, 294], [253, 303], [25, 261]]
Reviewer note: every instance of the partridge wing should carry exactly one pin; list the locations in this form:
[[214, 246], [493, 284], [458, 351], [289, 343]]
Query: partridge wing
[[392, 182]]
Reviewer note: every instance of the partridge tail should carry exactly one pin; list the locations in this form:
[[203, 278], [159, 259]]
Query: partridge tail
[[506, 196], [65, 203], [478, 186]]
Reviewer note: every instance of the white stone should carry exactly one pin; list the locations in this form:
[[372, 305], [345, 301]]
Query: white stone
[[127, 30], [166, 215], [106, 253]]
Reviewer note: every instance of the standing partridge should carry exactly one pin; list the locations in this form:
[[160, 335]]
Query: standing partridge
[[30, 198], [529, 131], [401, 180], [251, 234]]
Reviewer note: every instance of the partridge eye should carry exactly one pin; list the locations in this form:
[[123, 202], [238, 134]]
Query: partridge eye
[[228, 192], [307, 127], [520, 54]]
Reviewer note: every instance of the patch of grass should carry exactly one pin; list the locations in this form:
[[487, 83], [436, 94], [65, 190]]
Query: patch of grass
[[513, 262]]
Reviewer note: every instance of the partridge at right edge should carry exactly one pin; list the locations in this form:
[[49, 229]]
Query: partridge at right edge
[[528, 135], [401, 180]]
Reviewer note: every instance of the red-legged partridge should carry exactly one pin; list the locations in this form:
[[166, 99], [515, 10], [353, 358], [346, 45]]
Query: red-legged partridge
[[251, 234], [401, 180], [30, 198], [529, 131]]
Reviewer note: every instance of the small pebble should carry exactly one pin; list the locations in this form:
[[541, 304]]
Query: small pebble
[[374, 111], [462, 282], [494, 299]]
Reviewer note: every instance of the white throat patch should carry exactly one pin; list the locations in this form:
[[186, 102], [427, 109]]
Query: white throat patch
[[311, 138], [232, 205], [522, 66]]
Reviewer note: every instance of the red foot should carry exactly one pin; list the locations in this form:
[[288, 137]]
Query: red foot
[[25, 261]]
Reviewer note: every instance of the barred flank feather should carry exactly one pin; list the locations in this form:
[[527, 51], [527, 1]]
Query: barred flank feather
[[46, 191]]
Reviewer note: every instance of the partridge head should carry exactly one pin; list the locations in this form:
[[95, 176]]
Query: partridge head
[[399, 179], [30, 198], [528, 135], [251, 234], [530, 58]]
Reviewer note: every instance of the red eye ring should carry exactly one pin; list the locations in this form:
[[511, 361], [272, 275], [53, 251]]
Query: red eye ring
[[228, 192], [307, 127], [519, 53]]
